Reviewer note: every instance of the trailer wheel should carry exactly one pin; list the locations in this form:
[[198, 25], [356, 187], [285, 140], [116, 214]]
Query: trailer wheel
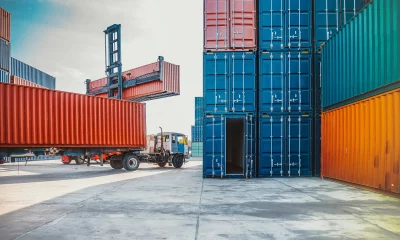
[[177, 161], [131, 162], [116, 164], [162, 164]]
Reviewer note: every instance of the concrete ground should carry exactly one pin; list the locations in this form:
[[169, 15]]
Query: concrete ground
[[48, 200]]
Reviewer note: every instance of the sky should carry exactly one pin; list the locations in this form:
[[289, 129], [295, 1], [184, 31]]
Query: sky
[[65, 39]]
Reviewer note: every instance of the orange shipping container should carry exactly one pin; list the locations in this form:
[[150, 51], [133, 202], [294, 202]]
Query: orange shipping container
[[20, 81], [5, 24], [361, 142], [38, 117]]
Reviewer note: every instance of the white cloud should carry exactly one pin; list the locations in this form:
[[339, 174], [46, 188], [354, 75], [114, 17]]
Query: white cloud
[[71, 47]]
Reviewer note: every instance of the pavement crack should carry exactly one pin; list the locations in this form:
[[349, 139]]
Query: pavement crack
[[199, 211]]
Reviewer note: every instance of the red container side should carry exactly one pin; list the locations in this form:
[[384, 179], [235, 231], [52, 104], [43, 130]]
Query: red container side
[[38, 117], [5, 24], [20, 81], [230, 25]]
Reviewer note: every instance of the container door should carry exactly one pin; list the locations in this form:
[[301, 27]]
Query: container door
[[242, 82], [272, 146], [298, 24], [214, 146], [298, 145], [272, 82], [272, 22], [298, 81], [216, 25], [250, 146], [326, 20], [216, 82], [243, 29]]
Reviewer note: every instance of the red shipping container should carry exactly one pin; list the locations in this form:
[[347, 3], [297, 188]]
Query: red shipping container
[[5, 24], [167, 85], [230, 25], [38, 117], [20, 81]]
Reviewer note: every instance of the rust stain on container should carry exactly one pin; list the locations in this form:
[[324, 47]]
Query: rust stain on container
[[5, 24], [38, 117], [230, 25], [361, 142], [20, 81]]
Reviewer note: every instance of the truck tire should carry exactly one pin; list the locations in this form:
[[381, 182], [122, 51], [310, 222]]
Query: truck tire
[[79, 160], [131, 162], [116, 164], [178, 161], [162, 164]]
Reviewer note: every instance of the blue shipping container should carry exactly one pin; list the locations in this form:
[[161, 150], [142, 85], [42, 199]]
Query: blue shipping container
[[4, 76], [198, 111], [285, 82], [317, 82], [197, 133], [4, 55], [229, 82], [32, 74], [285, 24], [229, 146], [331, 15], [285, 146]]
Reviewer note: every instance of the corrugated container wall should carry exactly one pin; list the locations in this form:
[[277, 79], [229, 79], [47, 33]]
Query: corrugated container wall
[[197, 149], [229, 146], [229, 82], [364, 55], [4, 77], [331, 15], [361, 142], [285, 82], [5, 55], [285, 146], [20, 81], [285, 24], [197, 133], [32, 74], [5, 25], [230, 25], [198, 111], [40, 117]]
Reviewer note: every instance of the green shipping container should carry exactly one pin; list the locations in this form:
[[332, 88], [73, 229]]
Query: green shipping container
[[197, 149], [363, 56]]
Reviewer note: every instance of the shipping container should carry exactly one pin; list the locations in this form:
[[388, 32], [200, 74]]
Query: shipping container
[[363, 56], [4, 77], [156, 80], [285, 80], [4, 55], [32, 74], [198, 111], [197, 149], [197, 133], [285, 146], [38, 117], [230, 25], [332, 15], [361, 142], [229, 82], [317, 144], [229, 146], [20, 81], [5, 25], [285, 24]]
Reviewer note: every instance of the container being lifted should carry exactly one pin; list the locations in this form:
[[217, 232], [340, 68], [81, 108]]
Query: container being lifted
[[38, 121], [152, 81]]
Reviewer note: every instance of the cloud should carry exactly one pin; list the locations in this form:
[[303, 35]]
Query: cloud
[[71, 47]]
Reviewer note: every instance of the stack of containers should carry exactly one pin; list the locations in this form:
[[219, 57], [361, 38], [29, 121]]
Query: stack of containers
[[31, 74], [285, 88], [5, 20], [197, 129], [229, 88], [361, 99], [329, 17]]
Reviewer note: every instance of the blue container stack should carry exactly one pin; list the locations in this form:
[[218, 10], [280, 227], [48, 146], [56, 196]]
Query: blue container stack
[[197, 129]]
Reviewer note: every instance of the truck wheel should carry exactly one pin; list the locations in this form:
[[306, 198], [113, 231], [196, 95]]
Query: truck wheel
[[116, 164], [131, 162], [177, 161], [1, 161], [162, 164], [79, 160]]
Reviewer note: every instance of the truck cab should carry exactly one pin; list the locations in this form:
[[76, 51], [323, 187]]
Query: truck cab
[[174, 142]]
